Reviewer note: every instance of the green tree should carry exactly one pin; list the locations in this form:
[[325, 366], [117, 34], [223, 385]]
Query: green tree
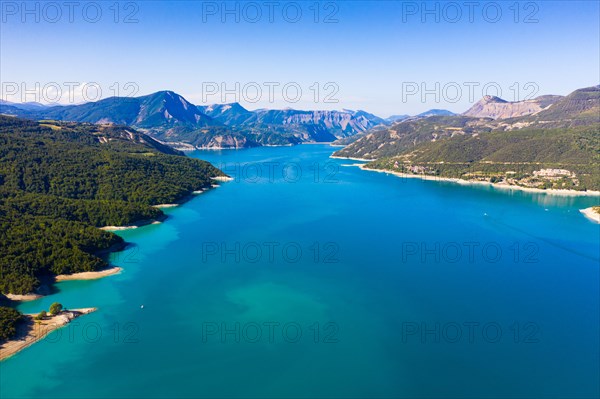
[[9, 318], [55, 308], [41, 316]]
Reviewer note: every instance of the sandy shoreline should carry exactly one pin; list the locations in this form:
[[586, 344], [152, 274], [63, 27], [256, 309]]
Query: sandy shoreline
[[89, 275], [215, 148], [591, 214], [572, 193], [222, 178], [23, 298], [30, 331], [68, 277], [133, 226]]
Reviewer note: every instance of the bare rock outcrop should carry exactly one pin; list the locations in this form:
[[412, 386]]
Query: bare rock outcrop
[[497, 108]]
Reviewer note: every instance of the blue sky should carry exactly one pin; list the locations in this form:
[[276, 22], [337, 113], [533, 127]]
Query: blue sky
[[386, 57]]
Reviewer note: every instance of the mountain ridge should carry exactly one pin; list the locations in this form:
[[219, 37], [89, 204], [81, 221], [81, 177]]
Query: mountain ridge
[[169, 117], [581, 107], [498, 108], [553, 147]]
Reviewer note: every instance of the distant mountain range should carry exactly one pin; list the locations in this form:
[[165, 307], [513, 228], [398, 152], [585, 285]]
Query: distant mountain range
[[26, 106], [397, 118], [169, 117], [435, 112], [431, 112]]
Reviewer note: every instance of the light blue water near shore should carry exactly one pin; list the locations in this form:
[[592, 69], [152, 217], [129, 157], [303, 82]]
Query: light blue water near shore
[[399, 288]]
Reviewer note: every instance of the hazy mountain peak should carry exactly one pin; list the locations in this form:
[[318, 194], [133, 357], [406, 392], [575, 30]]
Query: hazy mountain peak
[[396, 118], [497, 108], [435, 112], [492, 99]]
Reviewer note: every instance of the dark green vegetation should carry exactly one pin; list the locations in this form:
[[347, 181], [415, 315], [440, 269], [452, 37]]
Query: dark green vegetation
[[55, 308], [557, 148], [36, 246], [9, 318], [41, 316], [60, 181], [582, 107], [553, 158]]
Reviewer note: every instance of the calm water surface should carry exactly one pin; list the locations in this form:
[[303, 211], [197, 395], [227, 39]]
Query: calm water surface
[[305, 277]]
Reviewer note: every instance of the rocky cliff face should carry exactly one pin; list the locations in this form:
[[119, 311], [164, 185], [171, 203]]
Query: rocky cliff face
[[338, 123], [315, 125], [231, 114], [497, 108]]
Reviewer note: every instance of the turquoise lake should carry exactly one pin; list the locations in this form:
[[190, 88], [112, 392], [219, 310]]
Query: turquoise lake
[[307, 277]]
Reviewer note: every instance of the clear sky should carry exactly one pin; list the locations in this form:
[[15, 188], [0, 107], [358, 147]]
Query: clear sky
[[386, 57]]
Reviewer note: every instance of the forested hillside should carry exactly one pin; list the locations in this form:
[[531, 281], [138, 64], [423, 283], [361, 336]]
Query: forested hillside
[[60, 181], [557, 147], [390, 141], [539, 158]]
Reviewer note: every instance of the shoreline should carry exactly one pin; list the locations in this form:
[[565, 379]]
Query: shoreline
[[130, 227], [352, 159], [136, 224], [241, 148], [222, 178], [23, 297], [31, 331], [81, 276], [216, 148], [89, 275], [172, 205], [591, 214], [142, 223], [186, 147], [560, 192]]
